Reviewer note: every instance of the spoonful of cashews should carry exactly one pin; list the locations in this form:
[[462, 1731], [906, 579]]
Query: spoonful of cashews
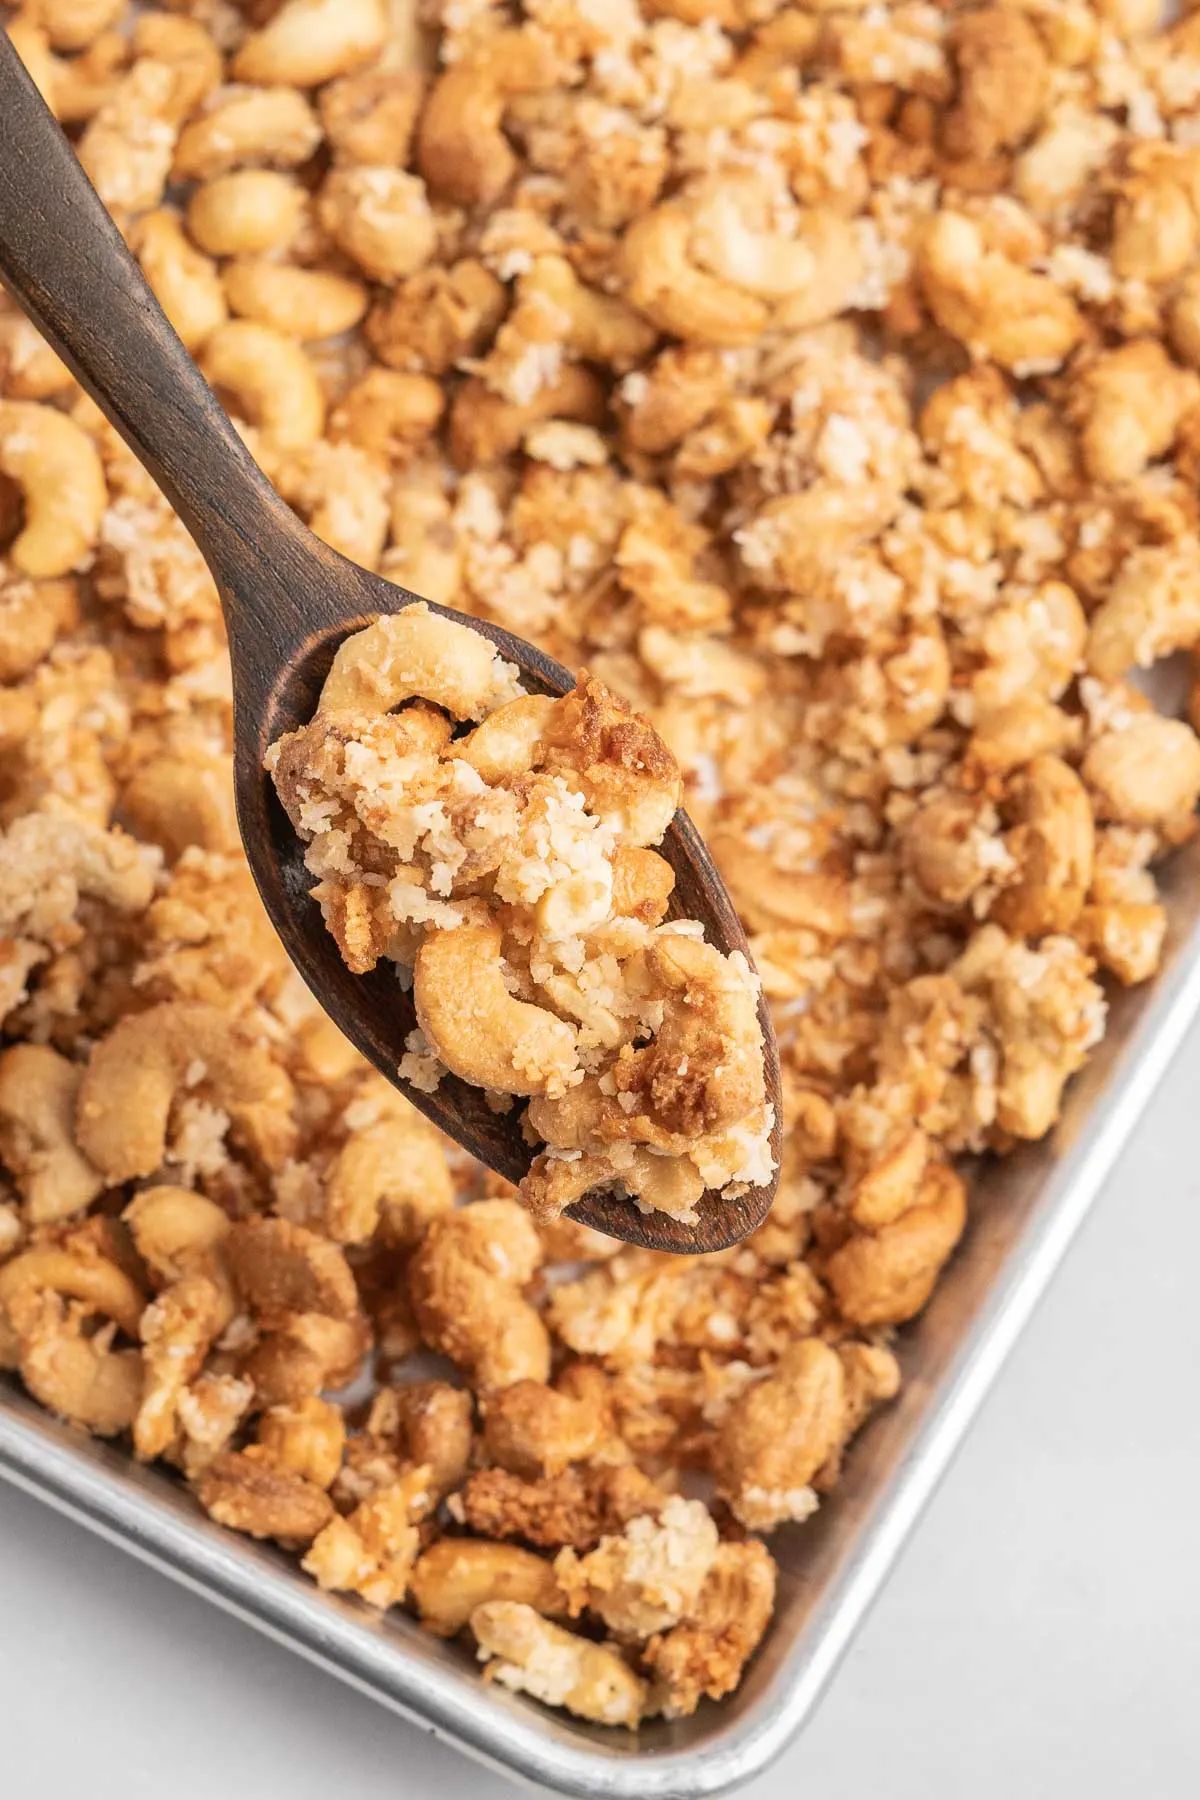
[[476, 863]]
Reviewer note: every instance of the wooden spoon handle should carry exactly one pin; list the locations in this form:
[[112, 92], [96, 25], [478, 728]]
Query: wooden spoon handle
[[68, 267]]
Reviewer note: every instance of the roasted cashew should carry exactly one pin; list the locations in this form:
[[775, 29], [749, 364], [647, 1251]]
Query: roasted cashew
[[306, 1439], [465, 1282], [663, 281], [380, 218], [177, 1330], [530, 1655], [484, 426], [180, 1233], [783, 1429], [885, 1277], [247, 127], [79, 1377], [76, 1268], [57, 468], [307, 42], [246, 212], [149, 1059], [475, 1025], [271, 377], [461, 150], [33, 614], [415, 653], [1052, 839], [994, 306], [389, 413], [533, 1430], [456, 1575], [297, 303], [391, 1177], [185, 281], [47, 860], [29, 369], [38, 1090]]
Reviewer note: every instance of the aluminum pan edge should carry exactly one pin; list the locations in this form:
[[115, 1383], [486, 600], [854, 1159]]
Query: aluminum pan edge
[[1026, 1211]]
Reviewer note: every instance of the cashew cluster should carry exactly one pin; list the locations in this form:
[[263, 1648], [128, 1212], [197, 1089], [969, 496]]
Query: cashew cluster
[[489, 865]]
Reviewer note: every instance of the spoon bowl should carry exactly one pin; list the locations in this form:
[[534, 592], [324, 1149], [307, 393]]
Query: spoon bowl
[[289, 600]]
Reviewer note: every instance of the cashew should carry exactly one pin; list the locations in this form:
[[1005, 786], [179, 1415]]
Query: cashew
[[307, 42], [532, 1656], [994, 306], [392, 1178], [48, 860], [465, 1281], [1151, 608], [179, 1233], [461, 150], [650, 1577], [127, 145], [59, 473], [246, 212], [456, 1575], [485, 426], [256, 127], [177, 1330], [184, 280], [187, 49], [38, 1090], [81, 1378], [885, 1277], [149, 1059], [437, 316], [75, 1268], [372, 1552], [271, 377], [74, 24], [663, 281], [706, 1654], [600, 328], [29, 369], [33, 615], [380, 218], [244, 1490], [306, 1439], [370, 117], [1052, 839], [417, 653], [282, 1269], [533, 1430], [298, 303], [475, 1025], [783, 1429], [388, 414], [1146, 772]]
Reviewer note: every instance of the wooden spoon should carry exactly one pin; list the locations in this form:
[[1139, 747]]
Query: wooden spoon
[[288, 602]]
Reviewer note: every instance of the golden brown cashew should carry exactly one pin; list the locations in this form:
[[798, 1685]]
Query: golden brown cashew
[[532, 1656], [415, 653], [465, 1282], [380, 218], [456, 1575], [179, 1233], [33, 614], [185, 282], [148, 1060], [308, 42], [506, 742], [58, 470], [38, 1090], [271, 377], [298, 303], [783, 1429], [260, 127], [485, 426], [388, 413], [306, 1439], [1052, 838], [29, 369], [663, 281], [76, 1269], [81, 1378], [475, 1025], [47, 860], [461, 150], [246, 213], [177, 1330], [391, 1177]]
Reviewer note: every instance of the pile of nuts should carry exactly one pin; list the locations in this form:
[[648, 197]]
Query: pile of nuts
[[823, 377], [505, 873]]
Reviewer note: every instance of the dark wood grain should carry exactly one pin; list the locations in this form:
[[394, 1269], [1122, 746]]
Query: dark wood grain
[[288, 601]]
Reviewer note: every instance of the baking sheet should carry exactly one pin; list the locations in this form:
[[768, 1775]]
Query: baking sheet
[[1025, 1211]]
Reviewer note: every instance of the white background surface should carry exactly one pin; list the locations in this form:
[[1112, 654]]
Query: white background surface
[[1041, 1636]]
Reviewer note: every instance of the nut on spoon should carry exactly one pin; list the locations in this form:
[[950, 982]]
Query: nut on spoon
[[288, 602]]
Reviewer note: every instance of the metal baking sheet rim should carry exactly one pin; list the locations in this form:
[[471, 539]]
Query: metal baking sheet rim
[[833, 1567]]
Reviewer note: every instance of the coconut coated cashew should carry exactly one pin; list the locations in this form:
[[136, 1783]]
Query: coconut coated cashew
[[149, 1060], [476, 1026], [416, 654], [57, 467], [271, 377], [38, 1090]]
